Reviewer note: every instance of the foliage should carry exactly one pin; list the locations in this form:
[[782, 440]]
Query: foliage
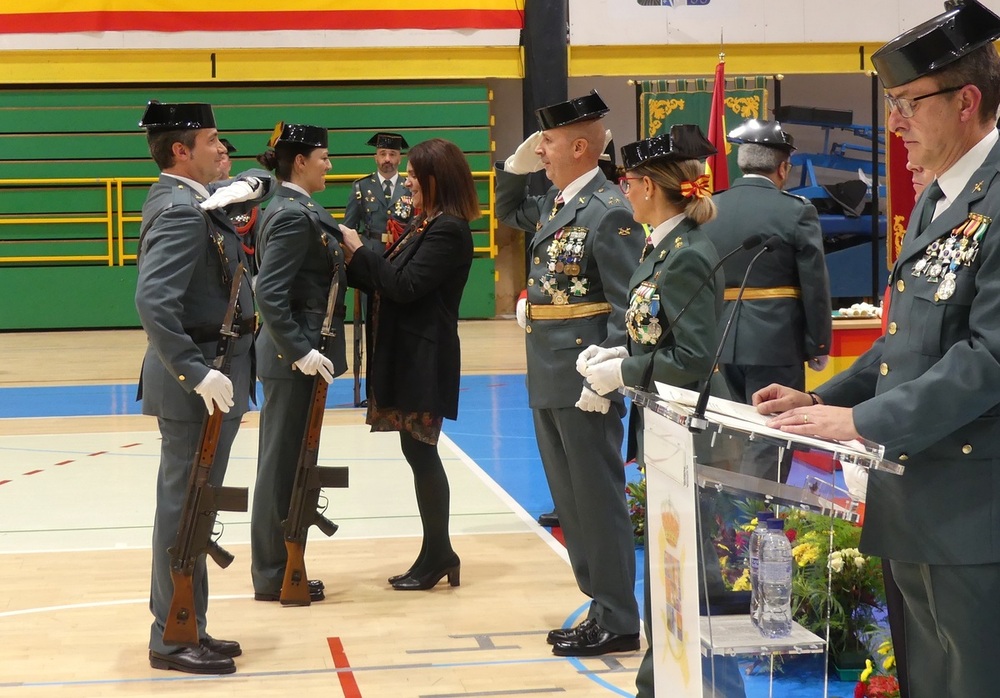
[[635, 497]]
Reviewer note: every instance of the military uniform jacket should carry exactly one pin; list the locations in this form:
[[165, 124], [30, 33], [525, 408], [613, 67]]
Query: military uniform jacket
[[297, 251], [773, 331], [597, 232], [660, 287], [181, 293], [929, 391], [368, 209], [414, 364]]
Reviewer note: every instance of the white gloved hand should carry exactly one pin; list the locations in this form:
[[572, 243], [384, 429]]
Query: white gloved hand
[[216, 389], [240, 190], [522, 313], [314, 362], [856, 479], [595, 354], [592, 402], [605, 377], [818, 363], [525, 160]]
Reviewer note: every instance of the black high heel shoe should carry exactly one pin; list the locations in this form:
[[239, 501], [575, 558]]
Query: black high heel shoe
[[396, 577], [452, 569]]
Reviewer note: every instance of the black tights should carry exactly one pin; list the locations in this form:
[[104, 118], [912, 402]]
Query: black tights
[[433, 500]]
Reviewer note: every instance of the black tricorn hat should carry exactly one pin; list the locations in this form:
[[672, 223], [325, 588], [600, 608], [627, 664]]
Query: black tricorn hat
[[583, 108], [683, 142], [160, 116], [389, 141], [964, 26], [315, 136], [230, 148], [767, 133]]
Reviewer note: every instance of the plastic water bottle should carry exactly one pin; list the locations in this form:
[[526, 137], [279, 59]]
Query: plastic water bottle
[[774, 578], [753, 549]]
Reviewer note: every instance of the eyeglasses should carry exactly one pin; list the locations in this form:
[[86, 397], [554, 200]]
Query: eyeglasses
[[906, 105], [623, 182]]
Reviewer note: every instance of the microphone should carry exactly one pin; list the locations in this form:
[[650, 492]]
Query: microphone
[[697, 422], [748, 244]]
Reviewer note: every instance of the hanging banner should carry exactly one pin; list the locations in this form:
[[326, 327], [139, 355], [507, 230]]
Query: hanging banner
[[899, 195], [663, 103]]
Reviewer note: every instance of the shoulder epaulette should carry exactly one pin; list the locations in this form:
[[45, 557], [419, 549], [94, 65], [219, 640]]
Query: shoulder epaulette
[[610, 195], [796, 196]]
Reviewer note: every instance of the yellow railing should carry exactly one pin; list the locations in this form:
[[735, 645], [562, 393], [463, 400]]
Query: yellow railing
[[116, 217]]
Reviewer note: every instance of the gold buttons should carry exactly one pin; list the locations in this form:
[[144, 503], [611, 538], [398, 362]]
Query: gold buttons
[[531, 282], [181, 377], [903, 457], [579, 341], [883, 368], [280, 356], [528, 329], [967, 449], [900, 286], [537, 260], [892, 328]]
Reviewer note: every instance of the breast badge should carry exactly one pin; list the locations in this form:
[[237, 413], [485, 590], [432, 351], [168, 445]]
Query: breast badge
[[641, 321], [944, 256]]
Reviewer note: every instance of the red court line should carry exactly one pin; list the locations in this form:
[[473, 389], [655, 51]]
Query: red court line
[[348, 684], [64, 462], [99, 453], [4, 482], [33, 472], [137, 443]]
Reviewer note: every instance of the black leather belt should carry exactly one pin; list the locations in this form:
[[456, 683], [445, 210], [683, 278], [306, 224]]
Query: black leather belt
[[210, 333]]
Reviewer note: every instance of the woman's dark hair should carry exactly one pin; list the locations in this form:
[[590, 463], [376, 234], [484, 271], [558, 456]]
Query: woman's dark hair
[[445, 178], [281, 158]]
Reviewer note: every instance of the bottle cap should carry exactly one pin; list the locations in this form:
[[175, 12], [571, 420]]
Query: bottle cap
[[765, 515], [775, 525]]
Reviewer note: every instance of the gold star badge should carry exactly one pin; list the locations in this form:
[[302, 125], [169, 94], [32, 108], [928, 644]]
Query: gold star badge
[[624, 231]]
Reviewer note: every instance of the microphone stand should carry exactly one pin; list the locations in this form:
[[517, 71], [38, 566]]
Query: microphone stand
[[697, 422]]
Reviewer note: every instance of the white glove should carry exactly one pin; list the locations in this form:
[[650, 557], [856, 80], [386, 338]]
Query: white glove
[[605, 377], [595, 354], [592, 402], [216, 389], [525, 160], [522, 313], [818, 363], [240, 190], [313, 363], [856, 479]]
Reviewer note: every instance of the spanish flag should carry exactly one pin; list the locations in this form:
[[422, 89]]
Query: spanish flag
[[717, 166]]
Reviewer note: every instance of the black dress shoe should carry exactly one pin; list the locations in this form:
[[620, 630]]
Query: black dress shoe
[[594, 640], [227, 648], [550, 520], [316, 593], [567, 634], [414, 582], [396, 577], [193, 660]]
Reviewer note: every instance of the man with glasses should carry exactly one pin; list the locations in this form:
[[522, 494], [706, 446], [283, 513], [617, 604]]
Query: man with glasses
[[585, 247], [928, 389]]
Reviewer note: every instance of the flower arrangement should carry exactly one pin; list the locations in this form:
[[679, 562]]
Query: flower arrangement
[[635, 498], [874, 685]]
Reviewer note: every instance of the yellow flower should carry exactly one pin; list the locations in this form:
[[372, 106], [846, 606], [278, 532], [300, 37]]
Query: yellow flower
[[743, 583], [869, 669], [805, 553]]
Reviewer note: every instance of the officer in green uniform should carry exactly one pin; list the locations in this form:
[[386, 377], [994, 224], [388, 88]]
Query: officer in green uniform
[[380, 205], [300, 256], [584, 249], [928, 389]]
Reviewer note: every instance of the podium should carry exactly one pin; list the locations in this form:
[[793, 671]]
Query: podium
[[696, 640]]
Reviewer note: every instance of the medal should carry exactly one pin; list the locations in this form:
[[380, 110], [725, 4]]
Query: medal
[[947, 286], [559, 297], [558, 267], [572, 269]]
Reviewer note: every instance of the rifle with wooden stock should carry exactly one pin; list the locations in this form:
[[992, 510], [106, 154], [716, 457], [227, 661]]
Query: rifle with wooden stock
[[203, 501], [310, 478]]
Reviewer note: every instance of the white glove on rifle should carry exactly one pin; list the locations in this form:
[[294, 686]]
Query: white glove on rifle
[[818, 363], [525, 160], [240, 190], [522, 312], [595, 354], [856, 479], [313, 363], [216, 389], [592, 402], [605, 377]]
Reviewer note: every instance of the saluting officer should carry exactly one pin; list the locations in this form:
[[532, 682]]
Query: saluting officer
[[188, 255], [584, 249], [927, 390], [380, 206]]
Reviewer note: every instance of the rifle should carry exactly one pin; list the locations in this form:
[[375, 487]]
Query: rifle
[[203, 501], [310, 478]]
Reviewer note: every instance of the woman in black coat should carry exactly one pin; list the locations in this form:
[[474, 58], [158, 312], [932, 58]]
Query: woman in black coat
[[414, 361]]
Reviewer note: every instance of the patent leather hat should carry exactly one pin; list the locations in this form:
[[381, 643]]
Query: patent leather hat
[[163, 116], [682, 142], [963, 27], [767, 133], [389, 141], [299, 134], [584, 108]]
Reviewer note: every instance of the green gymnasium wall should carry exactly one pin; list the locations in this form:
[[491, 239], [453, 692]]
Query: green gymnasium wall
[[69, 205]]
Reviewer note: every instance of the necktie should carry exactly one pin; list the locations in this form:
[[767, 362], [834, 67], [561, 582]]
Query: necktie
[[387, 189], [647, 249], [931, 197], [556, 206]]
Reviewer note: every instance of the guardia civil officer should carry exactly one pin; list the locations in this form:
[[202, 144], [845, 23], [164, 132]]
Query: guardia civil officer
[[927, 390], [299, 256], [188, 255], [584, 248], [380, 206]]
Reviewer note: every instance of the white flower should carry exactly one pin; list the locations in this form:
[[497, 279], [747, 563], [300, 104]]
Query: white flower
[[836, 563], [859, 562]]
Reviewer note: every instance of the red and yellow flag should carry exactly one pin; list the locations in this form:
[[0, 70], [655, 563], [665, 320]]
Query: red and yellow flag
[[717, 165], [899, 195], [70, 16]]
